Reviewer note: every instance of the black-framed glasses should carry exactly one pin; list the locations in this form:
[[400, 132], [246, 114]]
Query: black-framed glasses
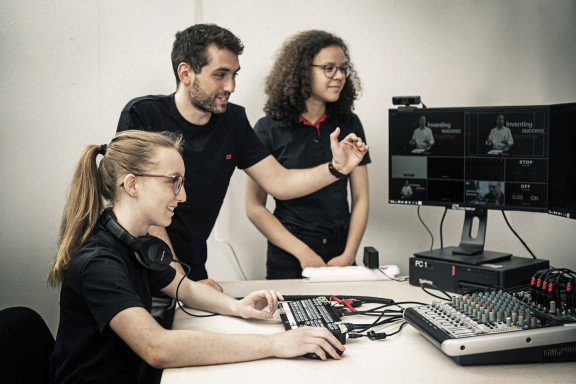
[[331, 69], [177, 181]]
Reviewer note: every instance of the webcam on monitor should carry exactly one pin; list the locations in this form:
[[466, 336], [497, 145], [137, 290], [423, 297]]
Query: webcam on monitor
[[406, 100]]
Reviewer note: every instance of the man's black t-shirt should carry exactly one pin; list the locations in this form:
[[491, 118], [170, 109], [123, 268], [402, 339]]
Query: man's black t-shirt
[[211, 154], [102, 280]]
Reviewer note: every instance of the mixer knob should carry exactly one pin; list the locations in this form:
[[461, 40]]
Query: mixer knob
[[492, 316]]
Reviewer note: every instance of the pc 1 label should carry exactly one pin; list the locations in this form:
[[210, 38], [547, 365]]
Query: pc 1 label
[[421, 264]]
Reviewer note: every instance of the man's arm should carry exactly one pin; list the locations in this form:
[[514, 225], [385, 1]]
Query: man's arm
[[287, 184], [489, 139], [413, 138], [430, 137], [161, 233], [509, 137], [358, 217], [274, 230]]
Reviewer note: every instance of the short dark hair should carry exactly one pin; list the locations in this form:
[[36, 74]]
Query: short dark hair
[[288, 85], [190, 45]]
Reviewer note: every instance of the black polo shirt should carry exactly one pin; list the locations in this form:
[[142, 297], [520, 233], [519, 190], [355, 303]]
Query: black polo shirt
[[102, 280], [325, 211], [211, 154]]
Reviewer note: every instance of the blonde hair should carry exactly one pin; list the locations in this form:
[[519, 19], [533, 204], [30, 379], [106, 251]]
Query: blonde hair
[[95, 186]]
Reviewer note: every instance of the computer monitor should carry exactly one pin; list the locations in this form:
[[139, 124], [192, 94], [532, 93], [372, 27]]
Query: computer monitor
[[481, 158]]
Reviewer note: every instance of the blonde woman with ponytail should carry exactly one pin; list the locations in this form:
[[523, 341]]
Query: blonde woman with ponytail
[[106, 278]]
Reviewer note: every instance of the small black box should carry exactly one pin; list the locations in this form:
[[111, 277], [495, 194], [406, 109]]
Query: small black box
[[371, 258], [461, 278]]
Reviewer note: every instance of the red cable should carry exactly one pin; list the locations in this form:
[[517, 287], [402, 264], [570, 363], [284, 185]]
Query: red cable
[[347, 303]]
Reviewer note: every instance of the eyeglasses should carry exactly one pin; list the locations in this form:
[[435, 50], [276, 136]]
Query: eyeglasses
[[177, 181], [330, 70]]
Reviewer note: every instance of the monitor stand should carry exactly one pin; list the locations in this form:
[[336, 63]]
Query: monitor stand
[[471, 249]]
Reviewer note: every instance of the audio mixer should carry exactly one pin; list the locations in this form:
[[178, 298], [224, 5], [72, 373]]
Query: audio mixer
[[497, 327]]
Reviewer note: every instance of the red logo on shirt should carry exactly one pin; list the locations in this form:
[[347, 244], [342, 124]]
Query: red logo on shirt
[[228, 157]]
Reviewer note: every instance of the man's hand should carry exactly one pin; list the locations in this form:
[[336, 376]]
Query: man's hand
[[347, 154], [211, 283]]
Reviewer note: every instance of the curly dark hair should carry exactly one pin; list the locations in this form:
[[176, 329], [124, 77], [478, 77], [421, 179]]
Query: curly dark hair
[[288, 85], [190, 45]]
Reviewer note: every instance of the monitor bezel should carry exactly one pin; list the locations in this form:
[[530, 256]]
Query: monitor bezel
[[476, 109]]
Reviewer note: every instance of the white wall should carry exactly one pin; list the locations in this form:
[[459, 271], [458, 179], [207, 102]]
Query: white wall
[[68, 68]]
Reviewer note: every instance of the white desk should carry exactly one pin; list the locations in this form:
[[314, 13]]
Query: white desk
[[403, 358]]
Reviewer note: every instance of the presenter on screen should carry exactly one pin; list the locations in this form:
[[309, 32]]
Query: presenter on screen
[[422, 138], [500, 137], [406, 192], [495, 195]]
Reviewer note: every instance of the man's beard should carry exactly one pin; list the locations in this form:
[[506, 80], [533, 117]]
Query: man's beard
[[205, 102]]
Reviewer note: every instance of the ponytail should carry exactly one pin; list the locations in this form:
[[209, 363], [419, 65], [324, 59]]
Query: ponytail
[[80, 212]]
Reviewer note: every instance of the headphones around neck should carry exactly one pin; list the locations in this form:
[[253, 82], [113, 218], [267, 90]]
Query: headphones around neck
[[148, 251]]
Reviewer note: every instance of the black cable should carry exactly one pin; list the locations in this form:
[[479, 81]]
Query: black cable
[[376, 311], [376, 323], [372, 312], [365, 299], [385, 313], [366, 327], [374, 336], [399, 329], [428, 285], [441, 225], [410, 302], [187, 268], [425, 226], [518, 236]]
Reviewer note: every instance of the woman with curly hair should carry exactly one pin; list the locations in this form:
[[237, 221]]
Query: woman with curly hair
[[311, 91]]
